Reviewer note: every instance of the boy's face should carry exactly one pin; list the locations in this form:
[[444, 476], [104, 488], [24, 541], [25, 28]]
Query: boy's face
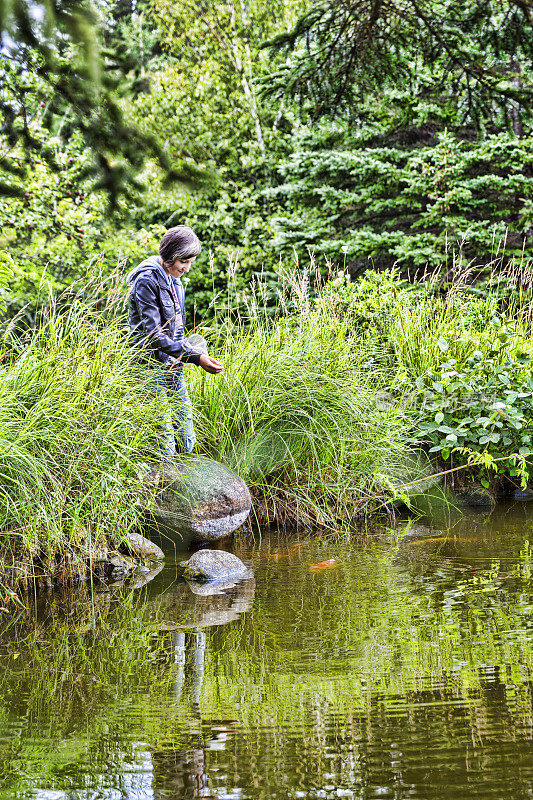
[[181, 266]]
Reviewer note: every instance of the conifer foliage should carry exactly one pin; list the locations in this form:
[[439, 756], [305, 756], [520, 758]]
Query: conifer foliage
[[56, 79], [417, 140], [478, 52]]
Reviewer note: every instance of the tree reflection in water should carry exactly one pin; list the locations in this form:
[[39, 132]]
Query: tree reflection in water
[[405, 672]]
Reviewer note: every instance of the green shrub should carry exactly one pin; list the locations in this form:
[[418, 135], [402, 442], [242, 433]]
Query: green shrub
[[474, 404], [465, 365], [457, 355]]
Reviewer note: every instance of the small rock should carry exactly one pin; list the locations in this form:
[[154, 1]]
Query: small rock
[[524, 495], [474, 497], [142, 548], [214, 565], [119, 566]]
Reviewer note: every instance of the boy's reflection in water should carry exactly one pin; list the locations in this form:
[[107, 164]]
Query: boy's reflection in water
[[183, 774], [189, 657]]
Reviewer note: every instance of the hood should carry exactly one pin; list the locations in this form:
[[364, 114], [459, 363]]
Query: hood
[[148, 265]]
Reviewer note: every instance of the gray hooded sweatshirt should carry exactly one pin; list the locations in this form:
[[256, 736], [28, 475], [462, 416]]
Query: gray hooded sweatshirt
[[157, 314]]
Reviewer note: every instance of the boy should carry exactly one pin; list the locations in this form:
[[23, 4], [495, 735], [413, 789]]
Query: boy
[[157, 323]]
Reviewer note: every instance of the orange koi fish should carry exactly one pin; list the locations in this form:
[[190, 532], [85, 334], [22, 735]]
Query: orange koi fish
[[443, 539], [331, 562]]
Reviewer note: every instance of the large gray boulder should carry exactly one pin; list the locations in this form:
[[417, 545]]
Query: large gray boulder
[[214, 565], [197, 499]]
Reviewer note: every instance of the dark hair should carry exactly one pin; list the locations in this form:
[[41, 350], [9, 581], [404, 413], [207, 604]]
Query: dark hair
[[180, 242]]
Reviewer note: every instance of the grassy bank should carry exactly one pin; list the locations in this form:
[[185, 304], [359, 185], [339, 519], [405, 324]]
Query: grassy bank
[[458, 356], [294, 413], [316, 409], [75, 421]]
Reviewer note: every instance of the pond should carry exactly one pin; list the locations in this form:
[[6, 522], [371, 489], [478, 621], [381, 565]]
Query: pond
[[394, 664]]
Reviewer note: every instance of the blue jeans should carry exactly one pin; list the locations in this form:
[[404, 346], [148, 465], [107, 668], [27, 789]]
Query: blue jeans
[[177, 432]]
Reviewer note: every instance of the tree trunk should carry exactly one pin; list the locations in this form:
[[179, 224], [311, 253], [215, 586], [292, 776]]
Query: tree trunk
[[242, 68], [518, 127]]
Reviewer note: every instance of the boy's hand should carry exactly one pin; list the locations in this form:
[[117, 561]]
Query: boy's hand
[[210, 365]]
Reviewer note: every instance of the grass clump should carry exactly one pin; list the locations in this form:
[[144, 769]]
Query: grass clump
[[294, 413], [75, 420]]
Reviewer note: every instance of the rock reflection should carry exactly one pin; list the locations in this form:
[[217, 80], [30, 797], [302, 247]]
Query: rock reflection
[[196, 605]]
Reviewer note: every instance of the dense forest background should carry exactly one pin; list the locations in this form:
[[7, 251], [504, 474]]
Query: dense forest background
[[355, 132]]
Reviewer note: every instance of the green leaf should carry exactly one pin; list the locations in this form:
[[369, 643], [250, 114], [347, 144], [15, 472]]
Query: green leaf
[[427, 426], [442, 345], [439, 417]]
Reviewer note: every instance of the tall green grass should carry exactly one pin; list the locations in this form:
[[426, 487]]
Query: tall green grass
[[294, 413], [75, 420]]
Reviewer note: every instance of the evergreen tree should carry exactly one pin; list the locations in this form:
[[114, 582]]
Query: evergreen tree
[[477, 53], [416, 134]]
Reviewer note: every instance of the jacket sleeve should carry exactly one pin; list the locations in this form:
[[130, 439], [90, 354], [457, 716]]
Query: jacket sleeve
[[146, 300]]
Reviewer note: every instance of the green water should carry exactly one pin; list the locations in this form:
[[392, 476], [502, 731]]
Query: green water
[[401, 670]]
